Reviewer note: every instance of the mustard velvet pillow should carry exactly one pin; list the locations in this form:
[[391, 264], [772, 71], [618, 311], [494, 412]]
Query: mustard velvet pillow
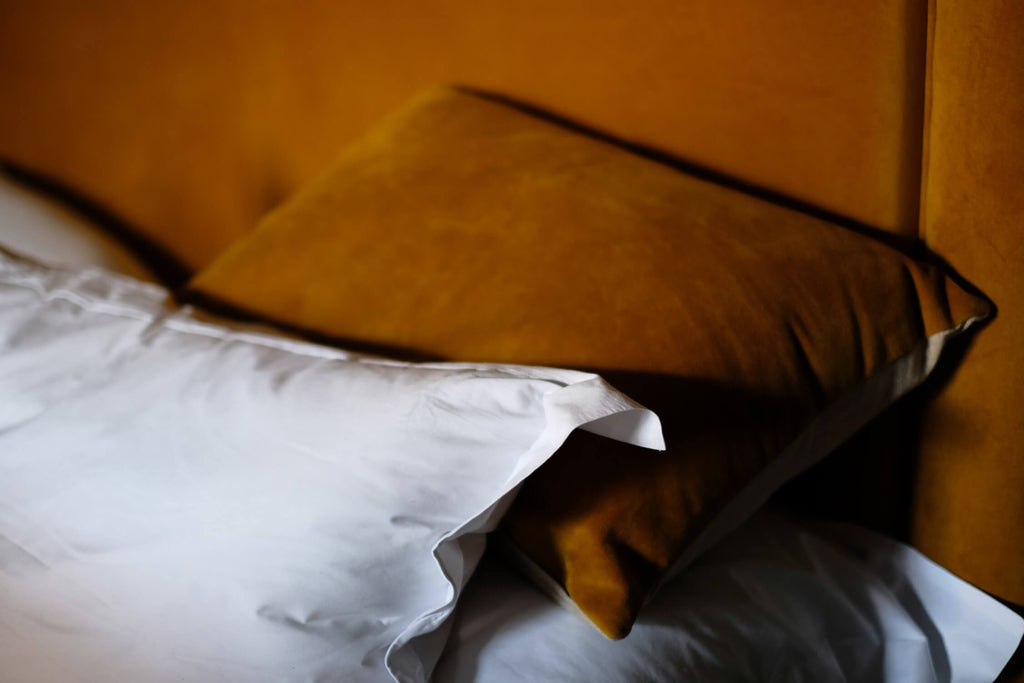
[[465, 229]]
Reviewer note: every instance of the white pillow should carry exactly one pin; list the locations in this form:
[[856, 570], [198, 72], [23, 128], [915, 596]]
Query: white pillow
[[181, 501], [778, 600], [48, 231]]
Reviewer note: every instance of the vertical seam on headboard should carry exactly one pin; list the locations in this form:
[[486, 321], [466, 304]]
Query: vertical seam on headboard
[[927, 123]]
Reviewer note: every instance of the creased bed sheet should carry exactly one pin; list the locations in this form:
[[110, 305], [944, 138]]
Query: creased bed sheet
[[781, 599]]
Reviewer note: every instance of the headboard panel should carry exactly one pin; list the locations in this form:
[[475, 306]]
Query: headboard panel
[[969, 511], [191, 119]]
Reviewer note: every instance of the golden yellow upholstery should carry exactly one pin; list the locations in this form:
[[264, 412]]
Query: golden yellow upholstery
[[464, 229], [969, 508], [191, 119]]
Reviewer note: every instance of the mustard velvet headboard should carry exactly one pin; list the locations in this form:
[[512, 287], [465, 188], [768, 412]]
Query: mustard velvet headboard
[[190, 120], [969, 503]]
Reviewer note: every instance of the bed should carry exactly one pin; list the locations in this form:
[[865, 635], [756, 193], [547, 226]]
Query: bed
[[494, 343]]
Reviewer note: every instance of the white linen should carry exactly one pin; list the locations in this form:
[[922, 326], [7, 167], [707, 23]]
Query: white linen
[[778, 600], [43, 229], [181, 501]]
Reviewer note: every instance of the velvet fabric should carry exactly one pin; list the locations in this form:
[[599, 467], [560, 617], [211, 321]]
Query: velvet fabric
[[969, 510], [463, 228], [191, 119]]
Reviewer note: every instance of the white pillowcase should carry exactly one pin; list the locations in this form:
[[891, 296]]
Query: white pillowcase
[[778, 600], [46, 230], [181, 501]]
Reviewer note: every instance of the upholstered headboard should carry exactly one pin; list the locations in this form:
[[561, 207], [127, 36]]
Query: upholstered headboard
[[969, 509], [190, 120]]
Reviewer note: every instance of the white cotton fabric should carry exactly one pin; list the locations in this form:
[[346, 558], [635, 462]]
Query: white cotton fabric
[[778, 600], [41, 228], [182, 501]]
